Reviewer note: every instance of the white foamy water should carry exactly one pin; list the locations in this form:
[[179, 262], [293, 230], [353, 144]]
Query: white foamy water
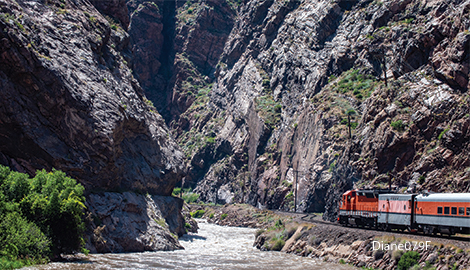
[[213, 247]]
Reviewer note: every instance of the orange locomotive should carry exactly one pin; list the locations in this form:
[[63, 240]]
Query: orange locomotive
[[433, 213]]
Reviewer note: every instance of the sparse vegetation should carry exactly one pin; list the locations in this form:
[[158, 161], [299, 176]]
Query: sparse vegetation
[[197, 214], [190, 197], [269, 110], [359, 84], [441, 135], [398, 125]]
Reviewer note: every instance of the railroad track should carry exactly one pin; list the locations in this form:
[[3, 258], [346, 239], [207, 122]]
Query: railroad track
[[456, 240]]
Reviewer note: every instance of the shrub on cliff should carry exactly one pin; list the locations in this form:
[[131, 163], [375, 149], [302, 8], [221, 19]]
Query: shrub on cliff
[[197, 213], [409, 259], [40, 217]]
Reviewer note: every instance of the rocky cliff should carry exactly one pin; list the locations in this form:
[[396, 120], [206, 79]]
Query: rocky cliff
[[258, 95], [263, 97], [70, 102]]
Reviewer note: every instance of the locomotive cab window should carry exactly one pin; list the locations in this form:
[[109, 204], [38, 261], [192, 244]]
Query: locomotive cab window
[[461, 211], [446, 210], [454, 210], [439, 210]]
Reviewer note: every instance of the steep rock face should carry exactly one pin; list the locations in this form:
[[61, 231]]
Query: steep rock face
[[70, 102], [275, 115], [131, 222]]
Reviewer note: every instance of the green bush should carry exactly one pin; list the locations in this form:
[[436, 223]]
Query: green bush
[[279, 224], [223, 216], [190, 197], [22, 238], [278, 245], [39, 217], [197, 213], [289, 195], [398, 125], [176, 192], [409, 259], [361, 85]]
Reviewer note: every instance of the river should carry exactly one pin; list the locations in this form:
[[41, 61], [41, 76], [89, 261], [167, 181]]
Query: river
[[213, 247]]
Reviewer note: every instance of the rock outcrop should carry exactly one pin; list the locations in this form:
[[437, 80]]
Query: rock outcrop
[[272, 113], [70, 102], [132, 222]]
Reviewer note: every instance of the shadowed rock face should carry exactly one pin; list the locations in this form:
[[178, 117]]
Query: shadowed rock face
[[70, 102]]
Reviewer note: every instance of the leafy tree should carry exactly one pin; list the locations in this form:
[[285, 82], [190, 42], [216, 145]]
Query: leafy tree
[[39, 217], [22, 238], [56, 204]]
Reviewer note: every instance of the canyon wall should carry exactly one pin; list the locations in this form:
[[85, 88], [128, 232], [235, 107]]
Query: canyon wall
[[243, 101], [258, 95], [70, 102]]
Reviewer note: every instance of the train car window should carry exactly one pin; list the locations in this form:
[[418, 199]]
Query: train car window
[[454, 210], [439, 210], [468, 211], [370, 195], [461, 211], [383, 205], [446, 210], [404, 207]]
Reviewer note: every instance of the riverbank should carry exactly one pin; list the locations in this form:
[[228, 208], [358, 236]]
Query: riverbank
[[212, 247], [309, 236]]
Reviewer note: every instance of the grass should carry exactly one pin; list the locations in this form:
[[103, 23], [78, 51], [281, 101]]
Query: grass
[[190, 197], [6, 17], [441, 135], [360, 85]]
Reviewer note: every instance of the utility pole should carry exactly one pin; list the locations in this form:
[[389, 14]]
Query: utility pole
[[295, 190], [296, 171], [349, 126]]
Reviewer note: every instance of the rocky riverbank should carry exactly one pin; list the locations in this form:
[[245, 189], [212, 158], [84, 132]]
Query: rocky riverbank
[[129, 222], [306, 235]]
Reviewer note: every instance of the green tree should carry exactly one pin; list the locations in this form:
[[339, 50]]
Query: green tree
[[39, 217], [22, 238], [56, 204]]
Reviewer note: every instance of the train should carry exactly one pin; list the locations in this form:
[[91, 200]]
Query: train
[[429, 213]]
